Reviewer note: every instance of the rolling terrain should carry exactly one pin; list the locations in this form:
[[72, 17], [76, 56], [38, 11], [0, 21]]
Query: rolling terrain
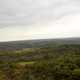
[[18, 45], [48, 59]]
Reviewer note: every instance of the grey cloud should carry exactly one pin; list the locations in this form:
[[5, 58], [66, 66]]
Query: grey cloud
[[28, 12]]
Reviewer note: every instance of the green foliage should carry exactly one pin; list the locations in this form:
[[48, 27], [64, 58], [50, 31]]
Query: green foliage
[[47, 63]]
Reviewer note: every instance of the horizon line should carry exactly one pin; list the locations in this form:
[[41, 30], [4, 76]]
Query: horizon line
[[39, 39]]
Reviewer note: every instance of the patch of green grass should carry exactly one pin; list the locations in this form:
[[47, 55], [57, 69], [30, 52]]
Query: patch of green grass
[[26, 63]]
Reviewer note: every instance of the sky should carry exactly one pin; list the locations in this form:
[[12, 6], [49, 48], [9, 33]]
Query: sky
[[39, 19]]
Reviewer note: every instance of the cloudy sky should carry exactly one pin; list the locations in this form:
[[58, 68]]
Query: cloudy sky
[[37, 19]]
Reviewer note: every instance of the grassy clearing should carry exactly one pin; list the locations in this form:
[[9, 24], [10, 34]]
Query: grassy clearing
[[26, 63]]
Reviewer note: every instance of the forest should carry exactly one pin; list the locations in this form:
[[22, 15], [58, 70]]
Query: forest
[[51, 62]]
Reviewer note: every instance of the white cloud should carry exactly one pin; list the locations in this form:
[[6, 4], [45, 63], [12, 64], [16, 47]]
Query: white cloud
[[68, 26], [30, 19], [17, 12]]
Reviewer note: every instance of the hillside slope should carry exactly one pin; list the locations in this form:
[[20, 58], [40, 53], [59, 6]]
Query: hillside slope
[[17, 45]]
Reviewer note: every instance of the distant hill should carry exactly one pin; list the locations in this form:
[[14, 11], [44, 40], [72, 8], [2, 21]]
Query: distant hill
[[17, 45]]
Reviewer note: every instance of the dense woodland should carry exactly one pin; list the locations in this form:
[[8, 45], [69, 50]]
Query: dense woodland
[[51, 62]]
